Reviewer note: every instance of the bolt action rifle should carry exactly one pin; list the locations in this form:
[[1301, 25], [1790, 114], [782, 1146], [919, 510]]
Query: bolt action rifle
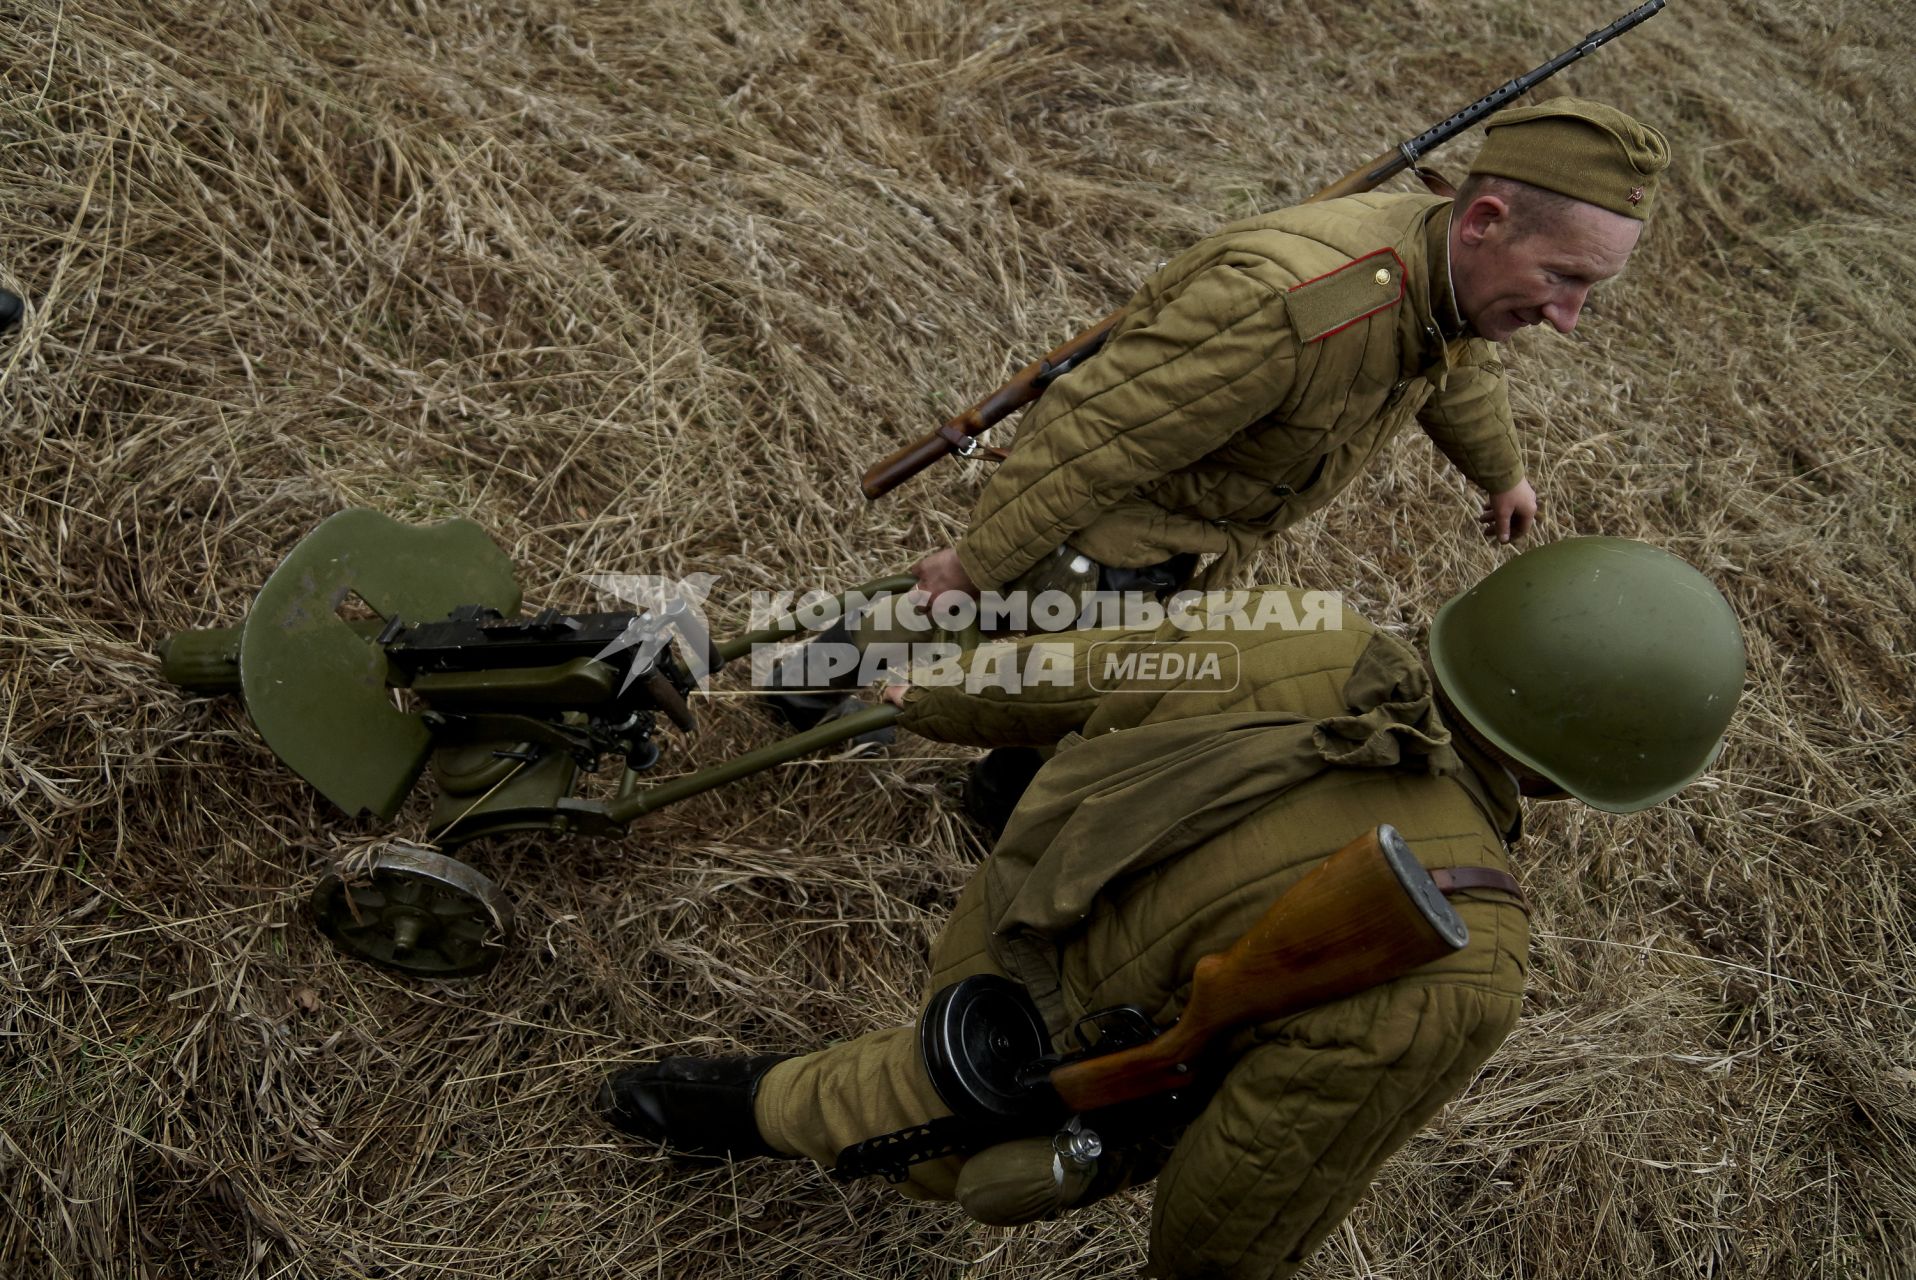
[[1366, 915], [960, 434]]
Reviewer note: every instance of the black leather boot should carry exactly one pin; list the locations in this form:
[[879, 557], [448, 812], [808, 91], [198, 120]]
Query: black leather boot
[[11, 309], [697, 1106], [996, 781]]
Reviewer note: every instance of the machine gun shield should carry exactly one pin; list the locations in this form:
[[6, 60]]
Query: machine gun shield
[[316, 687]]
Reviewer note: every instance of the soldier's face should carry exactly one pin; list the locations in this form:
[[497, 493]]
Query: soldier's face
[[1507, 279]]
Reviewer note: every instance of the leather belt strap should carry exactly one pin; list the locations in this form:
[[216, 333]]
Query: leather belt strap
[[966, 445], [1457, 879]]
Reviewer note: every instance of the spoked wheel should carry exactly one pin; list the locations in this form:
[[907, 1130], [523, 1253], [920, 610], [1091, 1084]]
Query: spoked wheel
[[416, 911]]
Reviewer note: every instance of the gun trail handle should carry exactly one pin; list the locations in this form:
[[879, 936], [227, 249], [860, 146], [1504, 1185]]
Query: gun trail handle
[[1367, 914]]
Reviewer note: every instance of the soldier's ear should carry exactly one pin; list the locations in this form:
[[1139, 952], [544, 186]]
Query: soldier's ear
[[1485, 216]]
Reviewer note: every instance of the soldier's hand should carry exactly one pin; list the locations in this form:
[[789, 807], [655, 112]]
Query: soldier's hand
[[895, 693], [1509, 515], [940, 572]]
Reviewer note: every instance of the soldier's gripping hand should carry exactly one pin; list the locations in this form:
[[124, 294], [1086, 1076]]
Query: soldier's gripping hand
[[940, 572], [1509, 515]]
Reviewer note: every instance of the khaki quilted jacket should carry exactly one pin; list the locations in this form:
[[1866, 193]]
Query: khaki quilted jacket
[[1251, 379]]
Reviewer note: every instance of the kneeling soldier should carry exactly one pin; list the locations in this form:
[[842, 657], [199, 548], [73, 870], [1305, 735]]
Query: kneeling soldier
[[1173, 815]]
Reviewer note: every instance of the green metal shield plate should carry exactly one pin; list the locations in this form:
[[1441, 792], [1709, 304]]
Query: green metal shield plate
[[316, 688]]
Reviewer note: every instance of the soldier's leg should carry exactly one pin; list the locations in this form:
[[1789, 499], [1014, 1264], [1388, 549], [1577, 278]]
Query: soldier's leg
[[1293, 1139], [819, 1104]]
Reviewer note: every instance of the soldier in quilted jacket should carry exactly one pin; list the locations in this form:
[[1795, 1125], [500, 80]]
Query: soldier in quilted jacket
[[1174, 812], [1258, 373]]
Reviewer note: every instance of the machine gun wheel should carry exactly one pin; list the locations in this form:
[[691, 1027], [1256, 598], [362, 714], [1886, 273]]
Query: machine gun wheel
[[416, 911]]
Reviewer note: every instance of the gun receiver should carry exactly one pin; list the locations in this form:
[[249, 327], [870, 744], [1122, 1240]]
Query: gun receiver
[[507, 710], [959, 434]]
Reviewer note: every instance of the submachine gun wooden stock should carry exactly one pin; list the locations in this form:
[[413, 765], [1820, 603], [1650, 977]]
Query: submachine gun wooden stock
[[1366, 915], [960, 434]]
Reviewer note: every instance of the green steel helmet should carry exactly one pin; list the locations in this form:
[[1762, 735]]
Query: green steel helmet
[[1603, 664]]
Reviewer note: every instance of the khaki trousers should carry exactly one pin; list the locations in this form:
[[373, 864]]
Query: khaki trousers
[[822, 1103]]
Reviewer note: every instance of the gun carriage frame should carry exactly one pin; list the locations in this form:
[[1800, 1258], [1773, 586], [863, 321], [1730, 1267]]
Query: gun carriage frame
[[509, 710]]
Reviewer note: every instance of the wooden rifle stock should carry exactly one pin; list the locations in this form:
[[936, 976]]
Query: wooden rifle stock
[[1369, 913], [958, 433], [1365, 177]]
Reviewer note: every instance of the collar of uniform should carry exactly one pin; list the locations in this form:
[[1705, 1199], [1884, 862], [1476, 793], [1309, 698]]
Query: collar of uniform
[[1432, 324], [1443, 289], [1496, 790], [1493, 786]]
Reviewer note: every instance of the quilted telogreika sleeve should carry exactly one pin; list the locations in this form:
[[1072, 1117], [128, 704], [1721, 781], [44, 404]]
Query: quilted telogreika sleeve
[[1469, 419], [1160, 395], [1028, 692]]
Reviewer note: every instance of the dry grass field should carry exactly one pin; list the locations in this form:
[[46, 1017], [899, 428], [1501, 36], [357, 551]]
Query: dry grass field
[[641, 287]]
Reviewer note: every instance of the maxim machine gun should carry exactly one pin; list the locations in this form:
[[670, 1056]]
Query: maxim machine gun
[[378, 652]]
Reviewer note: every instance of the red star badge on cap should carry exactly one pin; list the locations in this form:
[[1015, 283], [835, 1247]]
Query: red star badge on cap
[[1635, 196]]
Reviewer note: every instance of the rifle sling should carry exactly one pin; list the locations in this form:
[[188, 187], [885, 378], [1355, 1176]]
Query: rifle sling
[[891, 1154], [1460, 879], [1434, 182], [969, 446]]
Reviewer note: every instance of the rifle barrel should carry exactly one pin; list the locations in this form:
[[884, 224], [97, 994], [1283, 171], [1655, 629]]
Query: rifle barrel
[[1497, 98]]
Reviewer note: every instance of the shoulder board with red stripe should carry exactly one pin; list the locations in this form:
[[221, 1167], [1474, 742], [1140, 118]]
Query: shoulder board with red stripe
[[1339, 299]]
